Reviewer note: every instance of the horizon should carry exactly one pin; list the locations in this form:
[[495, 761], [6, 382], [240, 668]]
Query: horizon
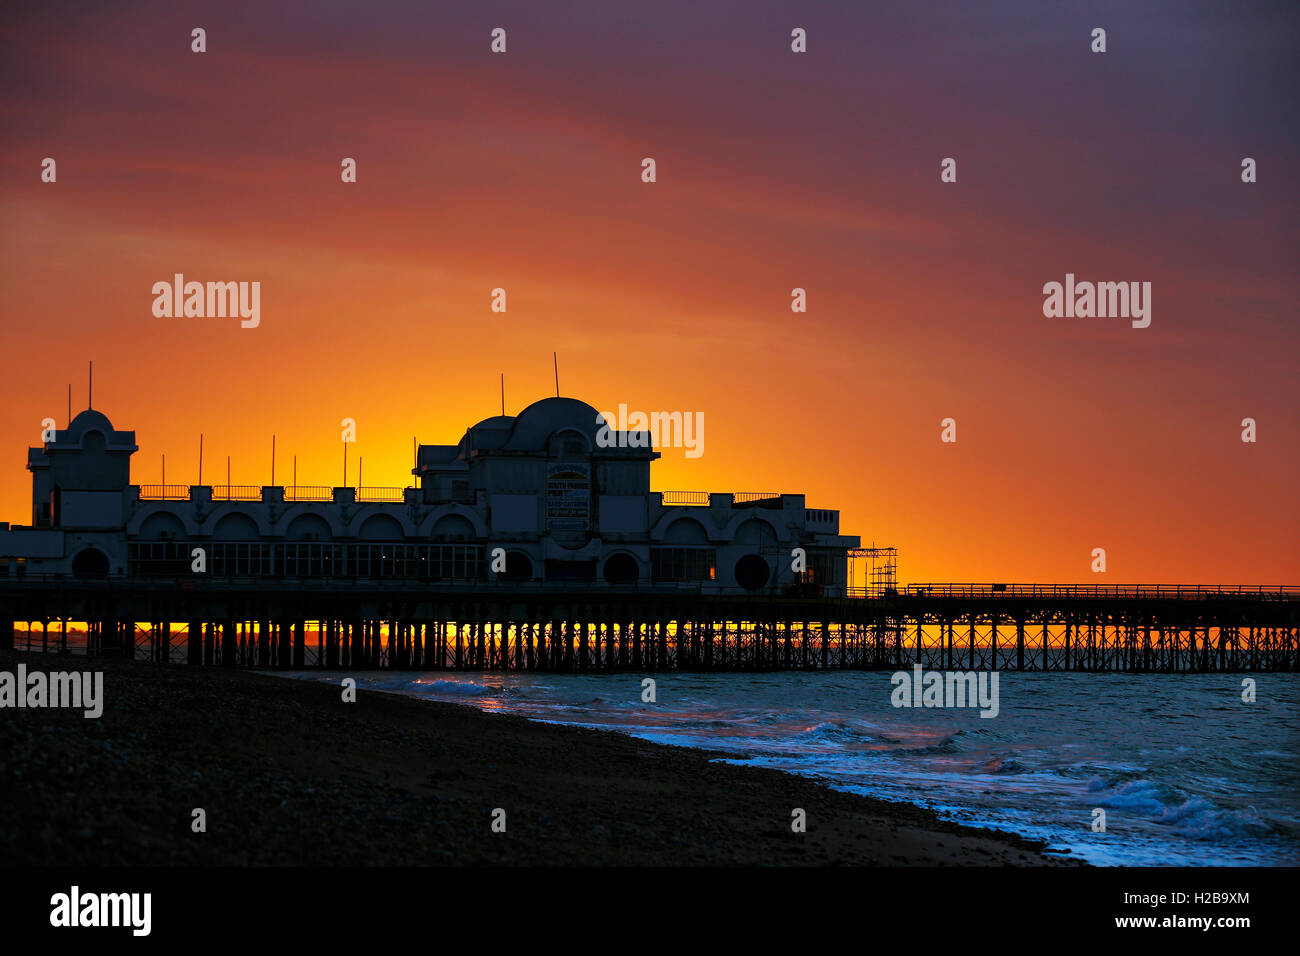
[[776, 172]]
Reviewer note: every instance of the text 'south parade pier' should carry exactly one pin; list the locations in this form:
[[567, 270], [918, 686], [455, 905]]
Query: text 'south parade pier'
[[535, 543]]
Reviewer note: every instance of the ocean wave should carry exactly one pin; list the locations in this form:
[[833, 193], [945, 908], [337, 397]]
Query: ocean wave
[[945, 745], [450, 688], [1178, 790], [838, 728], [1191, 817], [1000, 765]]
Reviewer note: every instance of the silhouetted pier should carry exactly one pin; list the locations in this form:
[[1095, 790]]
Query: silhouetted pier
[[248, 622]]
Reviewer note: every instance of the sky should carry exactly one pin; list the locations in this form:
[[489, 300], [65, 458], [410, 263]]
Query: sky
[[775, 170]]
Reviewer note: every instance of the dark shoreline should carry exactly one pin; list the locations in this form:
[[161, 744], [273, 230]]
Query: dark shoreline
[[391, 780]]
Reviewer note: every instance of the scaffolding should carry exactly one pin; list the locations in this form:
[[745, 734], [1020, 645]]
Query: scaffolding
[[879, 573]]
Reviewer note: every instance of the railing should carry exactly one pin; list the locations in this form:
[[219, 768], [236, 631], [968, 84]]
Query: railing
[[283, 582], [686, 497], [254, 493], [397, 495], [1058, 591], [236, 492], [381, 494], [308, 493], [702, 497], [1086, 591], [165, 492]]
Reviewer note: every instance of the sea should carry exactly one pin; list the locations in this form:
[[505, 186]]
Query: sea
[[1119, 770]]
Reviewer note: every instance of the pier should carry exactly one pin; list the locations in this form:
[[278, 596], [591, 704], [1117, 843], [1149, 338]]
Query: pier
[[406, 625], [534, 543]]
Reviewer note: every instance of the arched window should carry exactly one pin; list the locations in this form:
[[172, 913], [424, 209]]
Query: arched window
[[90, 563], [621, 568]]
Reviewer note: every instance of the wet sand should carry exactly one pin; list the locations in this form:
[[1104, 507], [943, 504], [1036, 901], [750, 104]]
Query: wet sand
[[289, 774]]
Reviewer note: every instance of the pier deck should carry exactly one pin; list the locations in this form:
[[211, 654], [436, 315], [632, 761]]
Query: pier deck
[[255, 622]]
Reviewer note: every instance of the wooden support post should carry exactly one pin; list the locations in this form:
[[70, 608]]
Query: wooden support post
[[116, 637]]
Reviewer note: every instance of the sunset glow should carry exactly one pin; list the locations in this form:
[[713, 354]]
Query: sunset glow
[[522, 172]]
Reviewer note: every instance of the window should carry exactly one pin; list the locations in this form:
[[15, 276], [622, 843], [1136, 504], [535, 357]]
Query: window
[[170, 558], [683, 564]]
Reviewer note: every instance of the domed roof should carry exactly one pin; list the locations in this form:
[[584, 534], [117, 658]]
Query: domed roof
[[85, 423], [496, 421], [488, 434], [90, 420], [536, 423]]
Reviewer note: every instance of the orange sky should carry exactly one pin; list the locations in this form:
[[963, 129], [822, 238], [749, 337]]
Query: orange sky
[[775, 171]]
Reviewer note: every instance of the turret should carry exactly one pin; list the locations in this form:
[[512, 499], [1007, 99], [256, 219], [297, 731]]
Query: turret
[[79, 475]]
